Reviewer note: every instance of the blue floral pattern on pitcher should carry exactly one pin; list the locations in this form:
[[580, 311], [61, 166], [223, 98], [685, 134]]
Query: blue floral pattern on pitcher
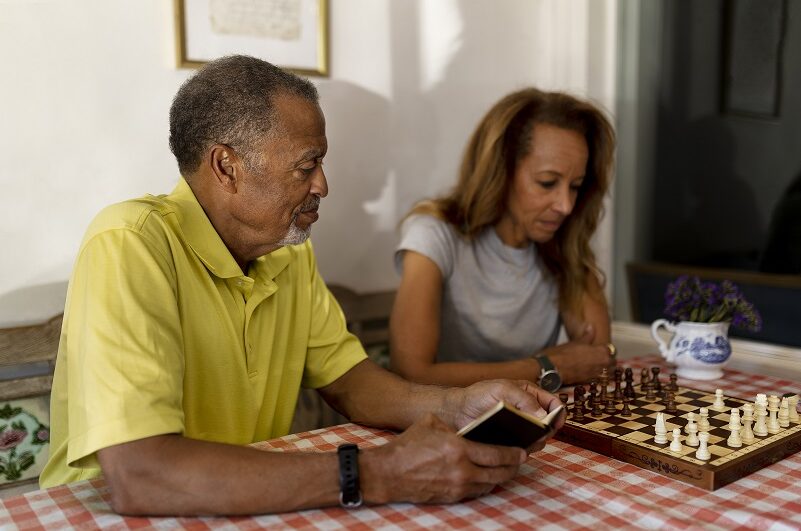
[[716, 352]]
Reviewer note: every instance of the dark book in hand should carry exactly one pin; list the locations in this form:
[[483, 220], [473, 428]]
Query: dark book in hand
[[505, 425]]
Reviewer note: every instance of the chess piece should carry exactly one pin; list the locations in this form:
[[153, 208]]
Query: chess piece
[[578, 409], [734, 440], [670, 402], [719, 404], [660, 429], [703, 421], [644, 378], [563, 398], [626, 410], [784, 413], [597, 410], [703, 451], [655, 381], [690, 420], [604, 384], [650, 393], [629, 389], [610, 407], [747, 434], [692, 437], [773, 420], [674, 385], [792, 403], [675, 444], [618, 393], [761, 427]]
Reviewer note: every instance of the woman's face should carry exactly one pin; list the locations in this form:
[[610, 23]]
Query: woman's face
[[544, 186]]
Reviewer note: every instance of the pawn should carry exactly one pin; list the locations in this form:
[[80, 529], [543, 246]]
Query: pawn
[[703, 451], [563, 398], [578, 409], [655, 381], [690, 421], [643, 377], [784, 413], [734, 427], [747, 434], [675, 444], [719, 404], [597, 410], [626, 410], [674, 385], [703, 421], [692, 437], [670, 402], [650, 392], [660, 429]]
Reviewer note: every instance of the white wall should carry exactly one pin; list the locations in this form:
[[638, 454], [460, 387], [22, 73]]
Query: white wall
[[86, 87]]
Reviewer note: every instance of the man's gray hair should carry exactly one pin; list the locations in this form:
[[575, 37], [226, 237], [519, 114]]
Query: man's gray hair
[[229, 101]]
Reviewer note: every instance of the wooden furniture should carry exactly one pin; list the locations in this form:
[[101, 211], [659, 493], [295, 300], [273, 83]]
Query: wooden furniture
[[560, 487], [776, 297], [27, 359]]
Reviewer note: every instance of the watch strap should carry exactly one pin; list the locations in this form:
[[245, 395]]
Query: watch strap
[[350, 496], [545, 363]]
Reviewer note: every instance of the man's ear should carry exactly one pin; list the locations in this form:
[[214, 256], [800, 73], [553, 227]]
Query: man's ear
[[225, 166]]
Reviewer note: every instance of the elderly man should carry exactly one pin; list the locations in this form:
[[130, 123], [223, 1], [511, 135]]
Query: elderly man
[[194, 318]]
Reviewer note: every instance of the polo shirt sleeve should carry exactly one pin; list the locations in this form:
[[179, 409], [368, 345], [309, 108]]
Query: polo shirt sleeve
[[125, 365], [431, 237], [332, 350]]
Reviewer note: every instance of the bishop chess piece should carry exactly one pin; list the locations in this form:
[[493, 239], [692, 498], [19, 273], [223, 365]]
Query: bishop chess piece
[[629, 389]]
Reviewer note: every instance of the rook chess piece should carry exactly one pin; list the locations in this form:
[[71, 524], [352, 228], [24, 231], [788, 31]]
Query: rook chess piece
[[703, 451], [734, 440]]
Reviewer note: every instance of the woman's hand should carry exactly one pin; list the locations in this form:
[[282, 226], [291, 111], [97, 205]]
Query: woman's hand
[[579, 360]]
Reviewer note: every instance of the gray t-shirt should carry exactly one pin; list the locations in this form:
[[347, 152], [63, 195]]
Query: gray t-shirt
[[498, 302]]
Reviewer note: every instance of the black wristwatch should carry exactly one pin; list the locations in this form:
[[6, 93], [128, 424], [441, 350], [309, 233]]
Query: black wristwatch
[[549, 377], [350, 496]]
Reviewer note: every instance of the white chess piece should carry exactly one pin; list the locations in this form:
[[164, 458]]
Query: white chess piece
[[703, 452], [747, 434], [690, 420], [784, 413], [792, 403], [703, 421], [692, 437], [719, 404], [661, 429], [734, 440], [773, 420], [761, 427], [675, 444]]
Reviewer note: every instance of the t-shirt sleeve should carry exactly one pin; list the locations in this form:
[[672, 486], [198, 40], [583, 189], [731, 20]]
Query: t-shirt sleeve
[[431, 237], [125, 367], [332, 350]]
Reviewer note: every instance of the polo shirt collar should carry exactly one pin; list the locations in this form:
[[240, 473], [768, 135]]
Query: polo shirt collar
[[210, 248]]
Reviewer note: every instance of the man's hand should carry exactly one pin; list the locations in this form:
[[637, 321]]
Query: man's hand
[[429, 463]]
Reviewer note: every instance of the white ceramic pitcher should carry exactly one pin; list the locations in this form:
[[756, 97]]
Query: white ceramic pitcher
[[699, 350]]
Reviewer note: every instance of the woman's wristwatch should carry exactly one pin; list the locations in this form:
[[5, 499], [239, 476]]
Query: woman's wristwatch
[[550, 380]]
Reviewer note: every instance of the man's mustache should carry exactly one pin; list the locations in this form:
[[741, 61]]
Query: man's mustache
[[311, 204]]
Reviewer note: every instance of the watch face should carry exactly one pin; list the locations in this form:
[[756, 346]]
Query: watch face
[[551, 381]]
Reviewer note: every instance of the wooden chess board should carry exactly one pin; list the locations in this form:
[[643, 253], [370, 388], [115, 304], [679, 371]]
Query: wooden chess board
[[631, 439]]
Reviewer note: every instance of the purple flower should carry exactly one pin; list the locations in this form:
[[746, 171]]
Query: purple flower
[[11, 438], [689, 299]]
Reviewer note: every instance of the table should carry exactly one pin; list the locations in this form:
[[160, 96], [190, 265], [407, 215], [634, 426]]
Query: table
[[561, 487]]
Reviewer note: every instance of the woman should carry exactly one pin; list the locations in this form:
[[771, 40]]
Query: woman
[[492, 271]]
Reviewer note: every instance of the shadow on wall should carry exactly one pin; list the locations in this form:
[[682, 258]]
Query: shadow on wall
[[706, 214], [783, 249], [32, 305]]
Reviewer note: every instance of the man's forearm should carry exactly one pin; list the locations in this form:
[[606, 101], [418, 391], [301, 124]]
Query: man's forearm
[[170, 474]]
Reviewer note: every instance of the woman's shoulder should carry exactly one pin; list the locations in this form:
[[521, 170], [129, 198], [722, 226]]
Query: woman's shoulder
[[429, 224]]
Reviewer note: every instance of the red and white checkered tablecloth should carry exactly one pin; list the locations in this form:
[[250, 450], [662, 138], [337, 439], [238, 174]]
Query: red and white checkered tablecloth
[[561, 487]]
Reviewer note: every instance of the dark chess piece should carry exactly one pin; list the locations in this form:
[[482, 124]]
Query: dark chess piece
[[626, 411], [578, 392], [604, 384], [655, 381], [618, 393], [610, 407], [578, 409], [644, 377], [597, 409], [674, 385], [628, 391], [650, 392], [670, 402], [563, 398]]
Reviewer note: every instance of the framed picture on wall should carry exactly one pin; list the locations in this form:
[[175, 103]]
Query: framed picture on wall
[[292, 34]]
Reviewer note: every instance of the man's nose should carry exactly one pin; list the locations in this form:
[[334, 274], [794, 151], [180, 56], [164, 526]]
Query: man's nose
[[319, 183]]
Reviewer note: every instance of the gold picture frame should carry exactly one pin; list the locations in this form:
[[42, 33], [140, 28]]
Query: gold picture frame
[[292, 34]]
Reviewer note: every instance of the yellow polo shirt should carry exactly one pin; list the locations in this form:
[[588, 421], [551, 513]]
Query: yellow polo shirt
[[163, 333]]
